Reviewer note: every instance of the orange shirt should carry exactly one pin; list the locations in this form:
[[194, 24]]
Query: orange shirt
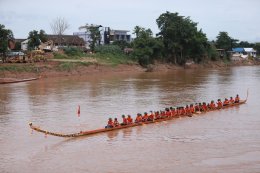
[[197, 108], [110, 123], [173, 112], [204, 107], [168, 113], [129, 120], [124, 121], [151, 116], [212, 105], [226, 102], [187, 110], [138, 119], [237, 99], [145, 117], [157, 115], [182, 111], [192, 109], [219, 104], [163, 114]]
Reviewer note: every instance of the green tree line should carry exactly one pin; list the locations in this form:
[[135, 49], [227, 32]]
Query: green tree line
[[179, 40]]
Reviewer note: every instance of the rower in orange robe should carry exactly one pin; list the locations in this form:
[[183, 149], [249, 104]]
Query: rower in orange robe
[[182, 111], [173, 111], [187, 110], [167, 113], [151, 116], [145, 117], [116, 123], [178, 111], [200, 107], [192, 109], [219, 103], [163, 115], [226, 102], [129, 119], [231, 100], [124, 120], [110, 123], [237, 99], [212, 105], [197, 108], [138, 118], [204, 107], [157, 115]]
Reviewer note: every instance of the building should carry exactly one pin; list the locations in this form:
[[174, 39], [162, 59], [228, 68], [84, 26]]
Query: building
[[58, 41], [66, 40], [117, 35], [20, 41], [24, 45], [108, 36], [244, 52], [251, 52]]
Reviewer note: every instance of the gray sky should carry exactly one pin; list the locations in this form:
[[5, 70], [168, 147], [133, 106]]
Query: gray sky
[[240, 18]]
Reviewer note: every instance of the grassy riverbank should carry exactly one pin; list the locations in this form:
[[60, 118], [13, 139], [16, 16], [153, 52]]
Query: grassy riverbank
[[88, 66], [74, 62]]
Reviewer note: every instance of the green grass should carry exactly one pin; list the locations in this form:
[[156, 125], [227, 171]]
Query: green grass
[[113, 59]]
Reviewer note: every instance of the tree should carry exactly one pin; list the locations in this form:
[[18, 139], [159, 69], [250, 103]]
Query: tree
[[257, 48], [35, 39], [5, 36], [58, 27], [95, 35], [224, 41], [18, 46], [146, 47], [181, 38], [245, 44], [122, 44]]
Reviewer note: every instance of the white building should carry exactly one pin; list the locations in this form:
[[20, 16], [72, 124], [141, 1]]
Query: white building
[[24, 44], [251, 52], [108, 36]]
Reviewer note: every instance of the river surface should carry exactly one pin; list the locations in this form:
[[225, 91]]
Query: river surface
[[221, 141]]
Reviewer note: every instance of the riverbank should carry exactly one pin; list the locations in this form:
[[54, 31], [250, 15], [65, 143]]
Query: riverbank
[[59, 68]]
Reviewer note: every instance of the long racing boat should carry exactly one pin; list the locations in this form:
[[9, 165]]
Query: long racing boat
[[102, 130]]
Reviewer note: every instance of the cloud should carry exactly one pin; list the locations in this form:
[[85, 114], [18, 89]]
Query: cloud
[[239, 18]]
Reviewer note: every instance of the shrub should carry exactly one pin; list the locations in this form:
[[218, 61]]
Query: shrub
[[109, 49], [73, 51], [60, 56]]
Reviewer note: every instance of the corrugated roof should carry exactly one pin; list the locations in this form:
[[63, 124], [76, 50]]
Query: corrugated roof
[[249, 50], [66, 39], [238, 49]]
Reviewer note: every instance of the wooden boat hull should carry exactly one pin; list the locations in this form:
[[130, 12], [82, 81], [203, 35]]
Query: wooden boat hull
[[102, 130], [8, 81]]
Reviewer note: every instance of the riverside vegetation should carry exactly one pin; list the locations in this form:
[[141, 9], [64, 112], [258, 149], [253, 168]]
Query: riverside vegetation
[[178, 41]]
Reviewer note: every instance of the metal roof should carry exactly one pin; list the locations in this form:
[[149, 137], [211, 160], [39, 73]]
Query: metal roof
[[249, 50], [238, 49]]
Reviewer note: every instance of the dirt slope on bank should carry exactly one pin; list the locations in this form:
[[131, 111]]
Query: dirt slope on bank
[[58, 69]]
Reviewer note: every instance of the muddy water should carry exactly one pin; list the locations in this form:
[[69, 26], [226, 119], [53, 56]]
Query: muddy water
[[221, 141]]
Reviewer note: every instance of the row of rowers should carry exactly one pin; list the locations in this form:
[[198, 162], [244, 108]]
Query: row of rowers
[[171, 112]]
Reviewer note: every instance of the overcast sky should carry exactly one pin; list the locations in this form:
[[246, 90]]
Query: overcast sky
[[240, 18]]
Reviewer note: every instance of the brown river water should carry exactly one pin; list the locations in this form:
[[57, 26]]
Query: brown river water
[[220, 141]]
